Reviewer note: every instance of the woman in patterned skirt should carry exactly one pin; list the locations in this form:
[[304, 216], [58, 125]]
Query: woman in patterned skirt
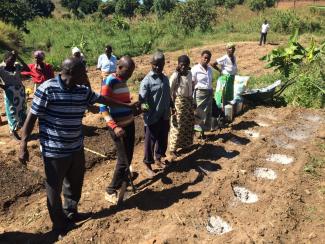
[[14, 91], [182, 122]]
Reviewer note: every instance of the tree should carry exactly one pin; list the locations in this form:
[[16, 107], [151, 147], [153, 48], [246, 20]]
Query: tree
[[193, 14], [107, 7], [85, 6], [24, 10], [126, 7], [163, 6], [259, 5], [147, 4]]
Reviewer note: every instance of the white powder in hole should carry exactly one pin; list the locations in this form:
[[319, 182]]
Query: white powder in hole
[[265, 173], [218, 226], [280, 159], [244, 195]]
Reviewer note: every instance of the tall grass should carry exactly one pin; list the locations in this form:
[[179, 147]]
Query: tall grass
[[141, 35]]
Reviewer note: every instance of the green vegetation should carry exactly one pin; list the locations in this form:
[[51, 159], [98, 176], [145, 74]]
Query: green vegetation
[[314, 165], [303, 67]]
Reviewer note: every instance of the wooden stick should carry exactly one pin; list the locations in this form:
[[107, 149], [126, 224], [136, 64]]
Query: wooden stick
[[94, 152]]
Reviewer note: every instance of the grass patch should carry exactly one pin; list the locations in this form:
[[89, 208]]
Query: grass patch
[[314, 165]]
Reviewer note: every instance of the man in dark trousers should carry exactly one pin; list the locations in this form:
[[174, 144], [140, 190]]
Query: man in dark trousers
[[120, 122], [155, 99], [59, 104], [264, 29]]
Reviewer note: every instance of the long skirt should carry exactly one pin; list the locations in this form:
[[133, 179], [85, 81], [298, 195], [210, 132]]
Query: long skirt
[[203, 99], [225, 90], [15, 106], [181, 130]]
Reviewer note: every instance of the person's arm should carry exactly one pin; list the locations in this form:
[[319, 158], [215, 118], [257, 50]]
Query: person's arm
[[26, 131], [51, 71], [99, 64], [143, 94], [215, 66], [25, 66], [108, 101], [172, 84]]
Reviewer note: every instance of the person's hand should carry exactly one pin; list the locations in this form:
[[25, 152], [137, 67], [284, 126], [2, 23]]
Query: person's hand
[[119, 132], [134, 105], [144, 107], [23, 154]]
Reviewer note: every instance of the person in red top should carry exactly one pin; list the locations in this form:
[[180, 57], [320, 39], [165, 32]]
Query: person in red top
[[39, 71]]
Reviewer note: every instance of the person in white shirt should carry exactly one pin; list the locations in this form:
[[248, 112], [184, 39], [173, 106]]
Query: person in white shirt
[[228, 69], [182, 122], [265, 28], [203, 92], [107, 62]]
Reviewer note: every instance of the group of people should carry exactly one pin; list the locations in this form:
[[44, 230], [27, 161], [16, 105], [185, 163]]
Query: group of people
[[168, 105]]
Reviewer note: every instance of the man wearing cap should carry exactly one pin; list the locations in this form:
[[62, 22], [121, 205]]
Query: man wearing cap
[[76, 53], [228, 69], [156, 104], [39, 70]]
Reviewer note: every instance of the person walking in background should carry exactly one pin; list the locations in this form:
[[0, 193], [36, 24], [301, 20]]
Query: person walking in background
[[59, 104], [228, 69], [203, 92], [39, 70], [107, 62], [120, 122], [156, 104], [264, 29], [182, 122], [76, 53], [14, 91]]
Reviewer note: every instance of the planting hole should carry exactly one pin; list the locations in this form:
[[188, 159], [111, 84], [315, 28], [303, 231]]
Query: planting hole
[[265, 173], [218, 226], [280, 159], [244, 195], [252, 133]]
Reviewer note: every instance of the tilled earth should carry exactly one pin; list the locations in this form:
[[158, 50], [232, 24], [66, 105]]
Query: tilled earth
[[213, 193], [176, 206]]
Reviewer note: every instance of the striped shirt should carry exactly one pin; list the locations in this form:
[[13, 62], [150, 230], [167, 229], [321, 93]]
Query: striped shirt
[[60, 111], [117, 89]]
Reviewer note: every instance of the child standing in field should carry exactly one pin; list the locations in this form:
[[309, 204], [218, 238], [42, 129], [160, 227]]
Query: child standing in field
[[120, 122]]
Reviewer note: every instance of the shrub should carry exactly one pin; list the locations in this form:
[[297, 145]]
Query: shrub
[[126, 7], [192, 15], [107, 8], [163, 6], [10, 37], [256, 5], [230, 3]]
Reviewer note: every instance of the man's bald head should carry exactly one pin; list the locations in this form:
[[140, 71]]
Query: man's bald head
[[125, 67], [71, 65], [74, 71]]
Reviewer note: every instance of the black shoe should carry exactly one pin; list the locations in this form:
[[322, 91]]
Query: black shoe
[[78, 217], [63, 231]]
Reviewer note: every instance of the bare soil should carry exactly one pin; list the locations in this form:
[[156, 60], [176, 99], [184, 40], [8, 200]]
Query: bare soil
[[175, 206]]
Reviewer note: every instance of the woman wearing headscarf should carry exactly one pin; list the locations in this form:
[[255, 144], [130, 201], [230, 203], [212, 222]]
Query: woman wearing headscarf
[[39, 70], [228, 69], [14, 91], [182, 122]]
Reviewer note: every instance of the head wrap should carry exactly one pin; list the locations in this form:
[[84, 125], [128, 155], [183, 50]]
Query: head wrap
[[230, 45], [184, 59], [75, 50], [39, 54]]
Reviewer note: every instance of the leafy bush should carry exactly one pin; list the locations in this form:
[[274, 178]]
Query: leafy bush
[[303, 69], [126, 7], [17, 12], [163, 6], [10, 37], [107, 8], [287, 21], [192, 14], [81, 7], [230, 3], [256, 5]]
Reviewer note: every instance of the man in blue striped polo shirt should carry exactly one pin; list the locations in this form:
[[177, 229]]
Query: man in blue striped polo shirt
[[59, 104]]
